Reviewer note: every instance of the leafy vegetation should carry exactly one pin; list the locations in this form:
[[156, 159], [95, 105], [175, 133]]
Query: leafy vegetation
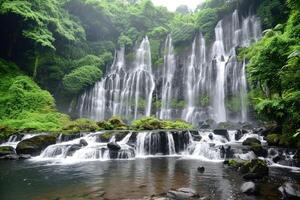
[[274, 75], [152, 123]]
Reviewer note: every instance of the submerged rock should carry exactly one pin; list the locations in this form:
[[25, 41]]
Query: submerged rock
[[35, 145], [182, 194], [249, 188], [290, 191], [201, 169]]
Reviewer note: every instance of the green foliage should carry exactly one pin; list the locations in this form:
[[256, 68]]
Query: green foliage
[[80, 78], [178, 104], [274, 74], [272, 12], [206, 21], [147, 123], [89, 60], [79, 125], [204, 101], [233, 104], [113, 123], [152, 123]]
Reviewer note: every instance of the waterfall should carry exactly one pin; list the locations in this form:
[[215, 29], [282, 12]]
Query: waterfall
[[104, 98], [219, 62], [136, 96], [209, 83], [168, 75]]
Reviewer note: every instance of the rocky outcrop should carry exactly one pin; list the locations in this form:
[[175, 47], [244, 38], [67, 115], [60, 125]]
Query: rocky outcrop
[[35, 145], [222, 132], [113, 146], [290, 191]]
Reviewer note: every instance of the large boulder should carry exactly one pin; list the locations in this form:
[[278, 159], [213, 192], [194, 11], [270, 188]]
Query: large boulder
[[251, 141], [222, 132], [182, 194], [35, 145], [290, 191], [249, 188]]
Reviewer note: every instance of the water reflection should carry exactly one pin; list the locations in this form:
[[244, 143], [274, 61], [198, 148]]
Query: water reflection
[[131, 179]]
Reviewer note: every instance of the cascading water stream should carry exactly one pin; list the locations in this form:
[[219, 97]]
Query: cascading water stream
[[168, 75], [212, 82], [219, 62], [136, 96]]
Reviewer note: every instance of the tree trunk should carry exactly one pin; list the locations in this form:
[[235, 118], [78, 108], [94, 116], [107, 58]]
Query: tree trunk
[[36, 64]]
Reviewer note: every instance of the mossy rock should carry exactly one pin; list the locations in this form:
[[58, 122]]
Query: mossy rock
[[279, 140], [6, 150], [254, 169], [234, 163], [35, 145], [251, 141], [117, 123]]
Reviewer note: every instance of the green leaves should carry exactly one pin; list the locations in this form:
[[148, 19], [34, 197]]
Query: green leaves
[[41, 36], [80, 78]]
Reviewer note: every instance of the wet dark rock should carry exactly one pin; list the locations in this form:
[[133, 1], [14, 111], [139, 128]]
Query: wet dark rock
[[251, 141], [197, 138], [238, 135], [222, 132], [211, 136], [290, 191], [258, 150], [201, 169], [72, 149], [83, 142], [249, 188], [113, 146], [35, 145], [182, 194], [226, 152], [6, 150]]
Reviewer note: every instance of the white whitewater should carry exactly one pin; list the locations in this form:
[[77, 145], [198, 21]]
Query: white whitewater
[[136, 96], [168, 76], [212, 82], [219, 60]]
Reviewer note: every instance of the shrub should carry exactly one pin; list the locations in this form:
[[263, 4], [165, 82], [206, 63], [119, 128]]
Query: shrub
[[80, 78]]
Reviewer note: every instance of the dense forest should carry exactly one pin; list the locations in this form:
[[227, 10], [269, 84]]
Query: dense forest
[[53, 50]]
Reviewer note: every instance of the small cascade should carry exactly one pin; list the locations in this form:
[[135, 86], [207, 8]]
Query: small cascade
[[92, 102], [136, 96], [171, 144], [168, 75], [13, 140]]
